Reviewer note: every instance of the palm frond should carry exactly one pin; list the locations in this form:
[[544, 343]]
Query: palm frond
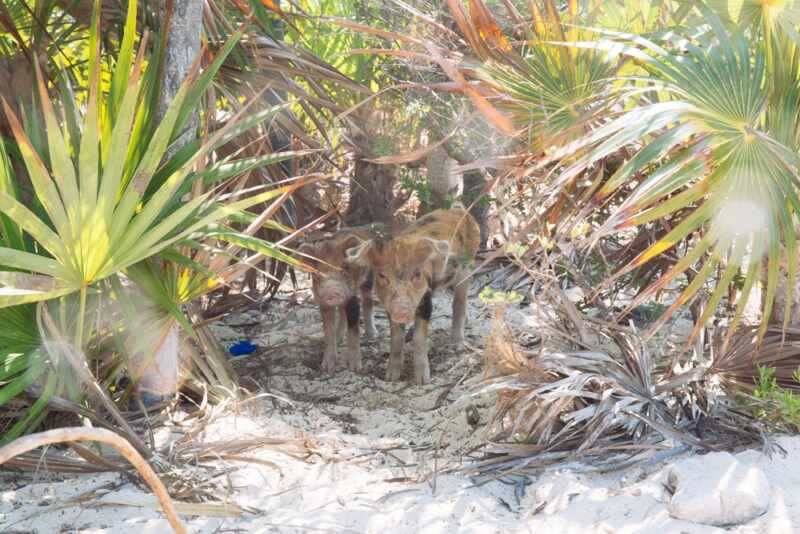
[[711, 156]]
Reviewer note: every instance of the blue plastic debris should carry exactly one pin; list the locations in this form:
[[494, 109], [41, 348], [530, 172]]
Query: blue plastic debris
[[151, 399], [240, 348]]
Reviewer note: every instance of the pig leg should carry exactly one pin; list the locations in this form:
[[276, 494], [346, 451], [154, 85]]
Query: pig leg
[[422, 365], [251, 280], [341, 324], [329, 314], [395, 369], [459, 313], [368, 306], [369, 314], [352, 311]]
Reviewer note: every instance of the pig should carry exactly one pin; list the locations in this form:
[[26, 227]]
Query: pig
[[341, 289], [433, 252]]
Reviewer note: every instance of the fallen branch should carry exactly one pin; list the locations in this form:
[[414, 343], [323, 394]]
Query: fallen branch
[[69, 434]]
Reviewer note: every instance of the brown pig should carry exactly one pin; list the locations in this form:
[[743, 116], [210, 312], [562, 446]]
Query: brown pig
[[434, 252], [341, 289]]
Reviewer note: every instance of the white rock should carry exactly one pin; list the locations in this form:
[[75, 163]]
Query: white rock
[[717, 489]]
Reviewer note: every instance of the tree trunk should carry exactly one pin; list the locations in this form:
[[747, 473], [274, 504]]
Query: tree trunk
[[443, 184], [782, 293], [473, 185], [372, 196], [183, 47], [160, 379]]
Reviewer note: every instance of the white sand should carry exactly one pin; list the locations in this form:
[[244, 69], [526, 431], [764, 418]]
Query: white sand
[[381, 452]]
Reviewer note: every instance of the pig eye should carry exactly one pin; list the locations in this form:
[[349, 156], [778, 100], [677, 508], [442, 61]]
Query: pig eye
[[417, 274], [382, 276]]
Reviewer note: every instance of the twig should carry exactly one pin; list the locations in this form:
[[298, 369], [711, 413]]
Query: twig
[[449, 388], [69, 434], [436, 463]]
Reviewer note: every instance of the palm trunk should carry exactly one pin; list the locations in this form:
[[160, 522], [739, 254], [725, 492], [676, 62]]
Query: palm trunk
[[786, 289], [441, 180], [160, 379], [473, 185], [183, 47], [372, 196]]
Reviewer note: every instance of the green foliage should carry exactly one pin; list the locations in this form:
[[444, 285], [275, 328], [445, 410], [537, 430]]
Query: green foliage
[[773, 402], [420, 185], [516, 250], [767, 385], [108, 199], [697, 110], [331, 43], [491, 297], [722, 159], [21, 362], [100, 202]]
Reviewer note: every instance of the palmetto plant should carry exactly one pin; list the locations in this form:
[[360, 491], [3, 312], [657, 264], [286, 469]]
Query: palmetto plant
[[89, 199], [697, 106], [718, 116], [616, 402], [548, 91], [702, 118], [107, 206]]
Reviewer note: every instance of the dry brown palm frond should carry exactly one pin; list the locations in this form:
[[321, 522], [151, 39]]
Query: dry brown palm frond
[[616, 403], [737, 365], [55, 462]]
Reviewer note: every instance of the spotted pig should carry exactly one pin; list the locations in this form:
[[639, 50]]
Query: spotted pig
[[341, 289], [432, 253]]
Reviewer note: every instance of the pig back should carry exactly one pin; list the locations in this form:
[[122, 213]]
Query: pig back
[[459, 230], [330, 247]]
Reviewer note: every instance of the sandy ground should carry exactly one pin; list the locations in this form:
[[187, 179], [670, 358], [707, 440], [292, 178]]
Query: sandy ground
[[381, 455]]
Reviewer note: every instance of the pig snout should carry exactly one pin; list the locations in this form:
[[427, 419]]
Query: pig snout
[[333, 293], [401, 310]]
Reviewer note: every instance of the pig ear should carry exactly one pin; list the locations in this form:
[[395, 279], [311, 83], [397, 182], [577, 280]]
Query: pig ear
[[351, 241], [358, 254]]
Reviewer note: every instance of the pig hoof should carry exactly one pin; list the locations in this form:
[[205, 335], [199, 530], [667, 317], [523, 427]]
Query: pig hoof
[[354, 364], [457, 341], [393, 374], [329, 363], [420, 379]]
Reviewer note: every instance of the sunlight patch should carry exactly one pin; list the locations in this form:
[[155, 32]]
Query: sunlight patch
[[741, 224]]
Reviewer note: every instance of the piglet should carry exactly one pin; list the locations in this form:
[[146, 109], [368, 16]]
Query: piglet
[[434, 252], [341, 289]]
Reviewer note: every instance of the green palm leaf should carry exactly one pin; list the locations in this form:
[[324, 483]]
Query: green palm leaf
[[718, 150]]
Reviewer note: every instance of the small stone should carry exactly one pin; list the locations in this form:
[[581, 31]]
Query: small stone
[[717, 489], [473, 417]]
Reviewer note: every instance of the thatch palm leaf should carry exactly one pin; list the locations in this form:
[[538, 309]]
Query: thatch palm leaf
[[713, 156], [105, 196]]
